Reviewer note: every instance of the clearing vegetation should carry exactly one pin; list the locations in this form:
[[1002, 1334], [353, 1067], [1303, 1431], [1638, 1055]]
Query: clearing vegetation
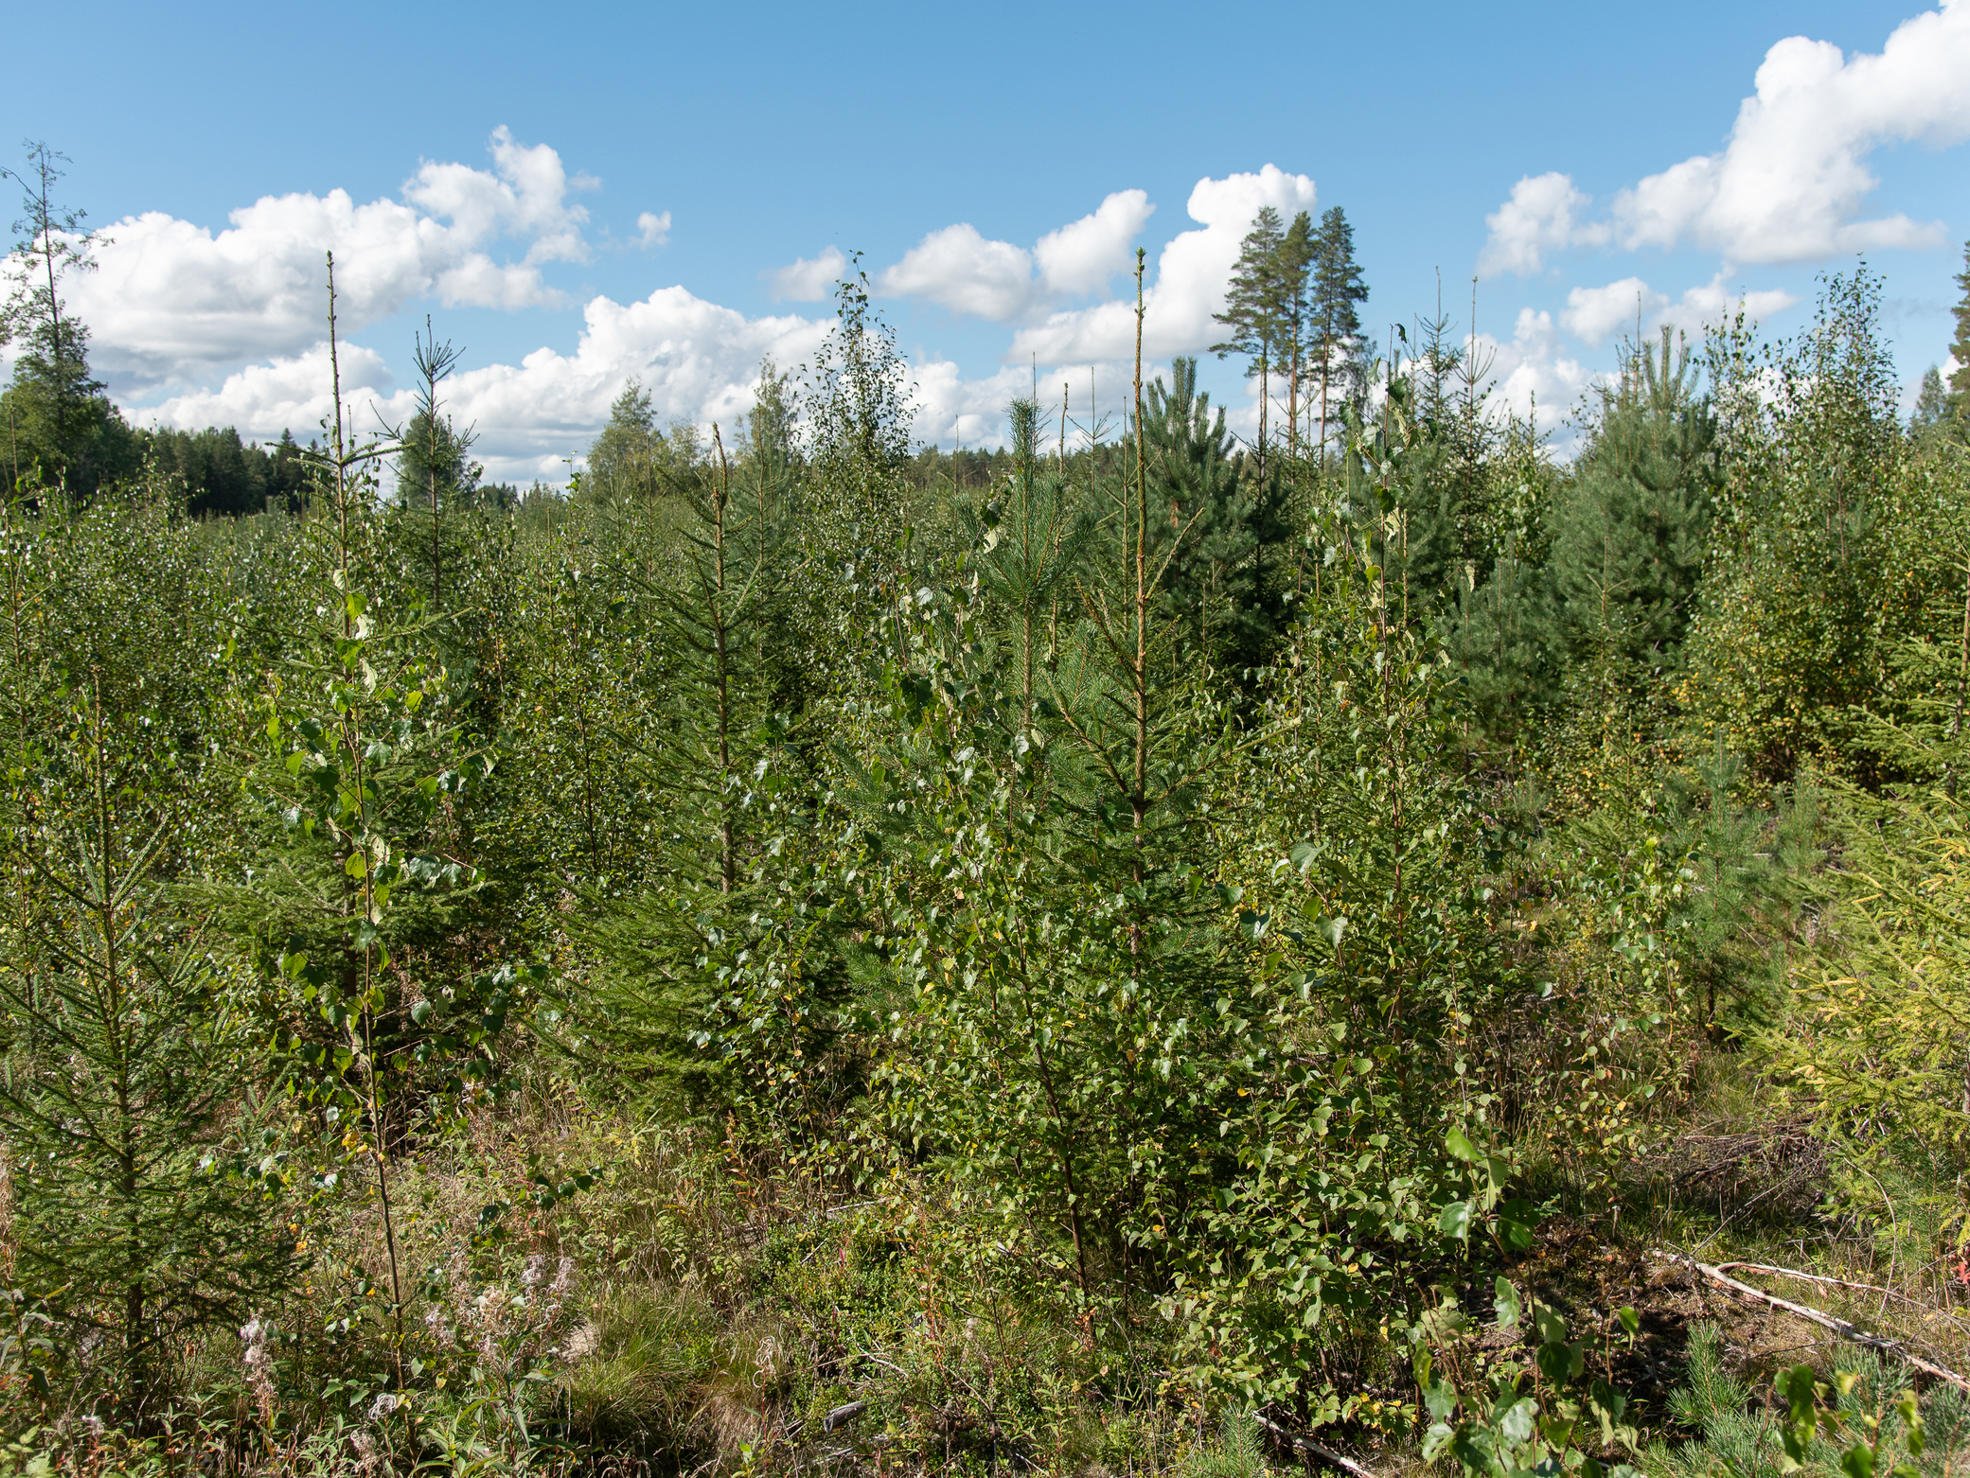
[[1373, 950]]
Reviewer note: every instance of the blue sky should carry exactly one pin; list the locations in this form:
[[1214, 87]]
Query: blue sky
[[510, 171]]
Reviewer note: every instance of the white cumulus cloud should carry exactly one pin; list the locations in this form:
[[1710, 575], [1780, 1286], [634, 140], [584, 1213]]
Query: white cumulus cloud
[[1532, 375], [171, 300], [1594, 314], [1542, 215], [1792, 180], [202, 327], [1192, 271], [809, 279], [953, 411], [1703, 307], [698, 360], [961, 270], [524, 195], [652, 228], [288, 394], [1084, 255]]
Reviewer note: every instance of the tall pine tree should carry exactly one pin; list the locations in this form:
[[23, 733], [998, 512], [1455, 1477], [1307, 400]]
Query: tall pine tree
[[1296, 257], [1339, 290], [1944, 409], [55, 414], [1959, 349], [1255, 308]]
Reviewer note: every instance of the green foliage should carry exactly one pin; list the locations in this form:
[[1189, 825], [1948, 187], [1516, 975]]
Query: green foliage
[[223, 475], [1032, 538], [1499, 638], [1352, 1111], [1296, 261], [1337, 289], [855, 413], [1862, 1419], [1091, 960], [566, 812], [61, 428], [1533, 1409], [1475, 484], [1933, 419], [126, 1101], [633, 460], [771, 440], [1260, 304], [1959, 380], [358, 761], [1630, 526], [1873, 1042], [1293, 310], [716, 759], [1236, 1454], [1217, 536], [434, 469], [1800, 597]]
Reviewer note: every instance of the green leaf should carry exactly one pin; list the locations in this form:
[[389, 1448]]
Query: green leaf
[[1440, 1397], [1505, 1302], [1799, 1389], [1559, 1361], [1455, 1219], [1436, 1439], [1460, 1146], [1516, 1425]]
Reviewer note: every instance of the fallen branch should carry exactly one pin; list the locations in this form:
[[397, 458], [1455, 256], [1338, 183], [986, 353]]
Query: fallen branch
[[1307, 1444], [1839, 1326], [1820, 1278]]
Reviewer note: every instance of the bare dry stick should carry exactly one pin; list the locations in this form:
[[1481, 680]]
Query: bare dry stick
[[1779, 1272], [1821, 1279], [1839, 1326], [1307, 1444]]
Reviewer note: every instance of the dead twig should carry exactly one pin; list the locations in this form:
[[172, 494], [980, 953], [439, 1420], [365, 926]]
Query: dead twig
[[1721, 1279], [1820, 1278], [1307, 1444]]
